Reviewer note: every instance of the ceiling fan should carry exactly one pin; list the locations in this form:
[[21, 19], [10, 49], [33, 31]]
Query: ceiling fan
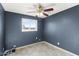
[[41, 10]]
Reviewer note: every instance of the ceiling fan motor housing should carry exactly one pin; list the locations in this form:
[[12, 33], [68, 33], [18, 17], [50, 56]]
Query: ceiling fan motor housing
[[40, 8]]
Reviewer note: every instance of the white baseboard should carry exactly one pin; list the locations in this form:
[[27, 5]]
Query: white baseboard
[[50, 45], [61, 49], [29, 45]]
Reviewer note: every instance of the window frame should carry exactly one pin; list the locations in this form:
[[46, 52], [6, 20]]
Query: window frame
[[30, 28]]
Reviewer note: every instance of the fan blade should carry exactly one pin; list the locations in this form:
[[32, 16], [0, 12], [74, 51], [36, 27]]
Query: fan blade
[[45, 14], [50, 9]]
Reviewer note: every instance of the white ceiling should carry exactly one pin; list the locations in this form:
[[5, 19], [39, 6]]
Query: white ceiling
[[26, 8]]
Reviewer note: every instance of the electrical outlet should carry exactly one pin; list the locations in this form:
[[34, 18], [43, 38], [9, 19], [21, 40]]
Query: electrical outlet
[[36, 38], [39, 39], [58, 43], [3, 49], [14, 46]]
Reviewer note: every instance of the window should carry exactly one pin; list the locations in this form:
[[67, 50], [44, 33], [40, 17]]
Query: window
[[29, 25]]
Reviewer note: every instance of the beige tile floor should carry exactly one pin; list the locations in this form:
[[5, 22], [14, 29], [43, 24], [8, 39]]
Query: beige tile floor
[[39, 49]]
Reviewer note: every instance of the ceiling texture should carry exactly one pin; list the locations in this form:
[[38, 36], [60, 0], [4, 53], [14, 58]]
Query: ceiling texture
[[30, 8]]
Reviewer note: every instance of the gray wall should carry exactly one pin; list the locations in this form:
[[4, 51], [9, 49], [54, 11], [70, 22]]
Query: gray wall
[[14, 36], [1, 29], [63, 27]]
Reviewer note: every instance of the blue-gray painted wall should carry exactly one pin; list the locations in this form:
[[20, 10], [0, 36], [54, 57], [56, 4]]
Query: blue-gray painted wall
[[63, 27], [14, 35], [1, 29]]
